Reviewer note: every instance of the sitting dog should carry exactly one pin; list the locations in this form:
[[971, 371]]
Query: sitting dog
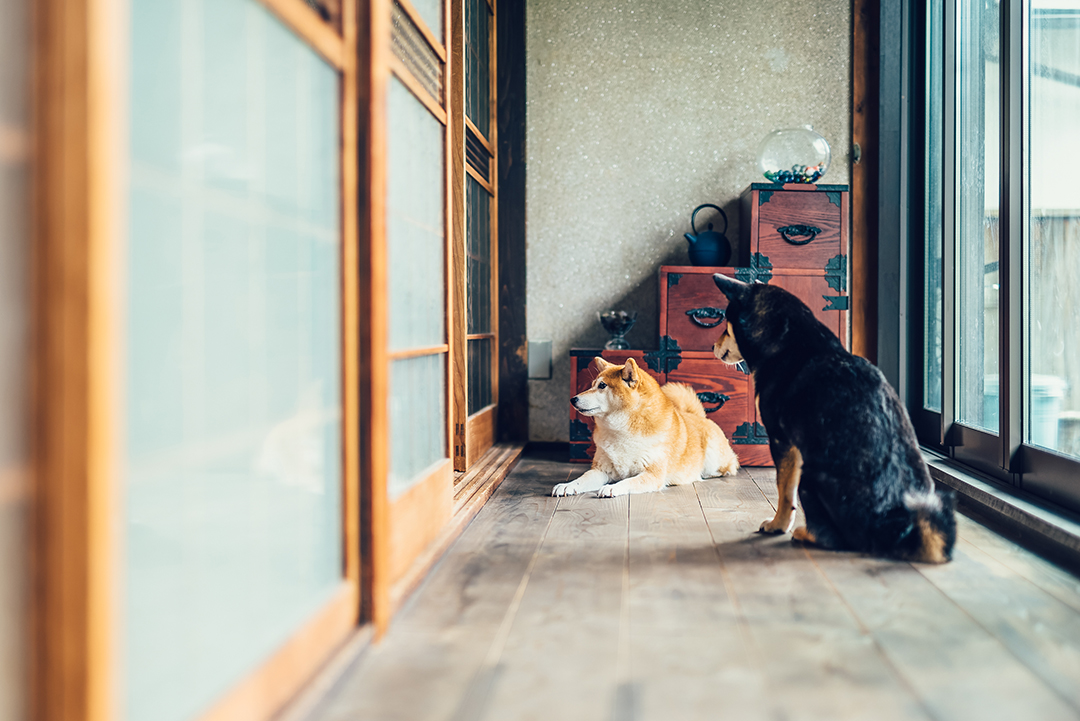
[[646, 436], [838, 434]]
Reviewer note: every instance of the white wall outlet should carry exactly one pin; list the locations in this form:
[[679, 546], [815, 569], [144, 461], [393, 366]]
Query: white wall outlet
[[540, 360]]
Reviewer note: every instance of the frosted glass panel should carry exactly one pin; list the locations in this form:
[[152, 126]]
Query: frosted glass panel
[[431, 12], [417, 419], [14, 310], [416, 225], [233, 429], [416, 238]]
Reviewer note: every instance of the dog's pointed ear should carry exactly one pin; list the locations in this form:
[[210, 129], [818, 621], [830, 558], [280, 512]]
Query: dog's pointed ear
[[733, 289], [601, 364], [630, 372]]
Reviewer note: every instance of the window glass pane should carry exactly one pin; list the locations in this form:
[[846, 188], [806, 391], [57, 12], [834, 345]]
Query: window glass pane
[[478, 64], [932, 230], [977, 247], [431, 13], [479, 374], [416, 254], [416, 222], [232, 450], [478, 214], [418, 433], [15, 52], [1053, 233]]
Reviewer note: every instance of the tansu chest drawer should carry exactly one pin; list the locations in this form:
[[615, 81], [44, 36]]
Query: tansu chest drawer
[[793, 226], [691, 306]]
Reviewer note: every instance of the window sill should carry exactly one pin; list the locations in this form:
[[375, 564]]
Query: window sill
[[1044, 528]]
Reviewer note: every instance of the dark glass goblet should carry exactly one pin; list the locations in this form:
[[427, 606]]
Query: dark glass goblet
[[618, 323]]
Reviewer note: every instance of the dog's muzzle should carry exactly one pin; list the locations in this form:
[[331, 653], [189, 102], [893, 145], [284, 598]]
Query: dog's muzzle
[[577, 406]]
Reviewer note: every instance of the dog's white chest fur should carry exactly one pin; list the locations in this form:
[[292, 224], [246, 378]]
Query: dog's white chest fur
[[621, 454]]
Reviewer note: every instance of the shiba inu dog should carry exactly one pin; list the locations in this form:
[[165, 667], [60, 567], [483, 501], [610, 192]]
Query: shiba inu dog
[[646, 436], [838, 434]]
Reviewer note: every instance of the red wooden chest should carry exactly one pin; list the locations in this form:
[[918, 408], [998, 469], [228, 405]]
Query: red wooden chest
[[793, 236], [794, 226]]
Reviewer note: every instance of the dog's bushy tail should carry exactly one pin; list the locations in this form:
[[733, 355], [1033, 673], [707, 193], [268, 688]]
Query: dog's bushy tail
[[935, 524], [684, 397]]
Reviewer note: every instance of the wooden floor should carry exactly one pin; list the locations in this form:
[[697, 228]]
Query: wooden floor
[[669, 606]]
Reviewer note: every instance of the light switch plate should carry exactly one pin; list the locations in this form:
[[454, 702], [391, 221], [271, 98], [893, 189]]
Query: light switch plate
[[540, 360]]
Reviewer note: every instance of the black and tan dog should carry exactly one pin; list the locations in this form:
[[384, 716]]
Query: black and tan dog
[[837, 431]]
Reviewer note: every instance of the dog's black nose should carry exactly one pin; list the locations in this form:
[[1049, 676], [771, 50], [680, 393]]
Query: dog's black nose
[[573, 401]]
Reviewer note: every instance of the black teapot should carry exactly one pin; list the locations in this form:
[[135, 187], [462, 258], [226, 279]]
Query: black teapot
[[708, 248]]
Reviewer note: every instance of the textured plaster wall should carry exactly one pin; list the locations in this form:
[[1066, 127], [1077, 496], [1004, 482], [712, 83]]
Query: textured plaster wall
[[638, 111]]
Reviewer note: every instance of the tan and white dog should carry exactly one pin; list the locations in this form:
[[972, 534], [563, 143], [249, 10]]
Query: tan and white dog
[[646, 436]]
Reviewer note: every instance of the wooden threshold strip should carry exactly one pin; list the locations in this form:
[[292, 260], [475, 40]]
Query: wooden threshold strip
[[482, 486], [307, 25], [480, 481], [418, 21], [409, 81]]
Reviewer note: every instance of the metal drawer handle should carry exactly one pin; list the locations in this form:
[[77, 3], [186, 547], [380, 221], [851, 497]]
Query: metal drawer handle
[[709, 398], [698, 314], [790, 232]]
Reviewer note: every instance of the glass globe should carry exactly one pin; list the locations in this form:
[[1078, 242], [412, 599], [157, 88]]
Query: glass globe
[[793, 155]]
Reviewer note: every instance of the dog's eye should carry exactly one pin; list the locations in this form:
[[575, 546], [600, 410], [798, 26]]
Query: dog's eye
[[602, 385]]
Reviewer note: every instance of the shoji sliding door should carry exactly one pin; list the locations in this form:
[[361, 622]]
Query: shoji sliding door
[[477, 414], [405, 287], [233, 444]]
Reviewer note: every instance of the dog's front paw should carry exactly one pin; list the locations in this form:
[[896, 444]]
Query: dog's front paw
[[612, 490], [803, 535], [565, 489], [774, 526]]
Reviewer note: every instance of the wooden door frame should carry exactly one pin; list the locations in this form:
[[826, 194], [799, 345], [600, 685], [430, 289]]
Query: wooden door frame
[[865, 64], [396, 534], [512, 421], [80, 104], [475, 433]]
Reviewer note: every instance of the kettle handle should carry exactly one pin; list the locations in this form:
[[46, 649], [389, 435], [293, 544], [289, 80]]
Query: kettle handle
[[708, 205]]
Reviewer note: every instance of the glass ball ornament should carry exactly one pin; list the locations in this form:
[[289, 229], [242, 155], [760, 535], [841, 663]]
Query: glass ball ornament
[[794, 155]]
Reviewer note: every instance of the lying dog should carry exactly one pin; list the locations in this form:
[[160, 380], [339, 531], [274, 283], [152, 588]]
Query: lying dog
[[837, 432], [646, 436]]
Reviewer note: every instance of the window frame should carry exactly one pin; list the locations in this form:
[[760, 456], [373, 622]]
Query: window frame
[[1004, 456]]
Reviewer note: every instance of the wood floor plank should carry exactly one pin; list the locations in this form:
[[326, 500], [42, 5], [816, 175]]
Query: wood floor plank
[[689, 657], [958, 669], [411, 676], [908, 617], [1037, 629], [670, 607], [479, 574], [433, 665], [561, 659], [1056, 581], [819, 662]]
